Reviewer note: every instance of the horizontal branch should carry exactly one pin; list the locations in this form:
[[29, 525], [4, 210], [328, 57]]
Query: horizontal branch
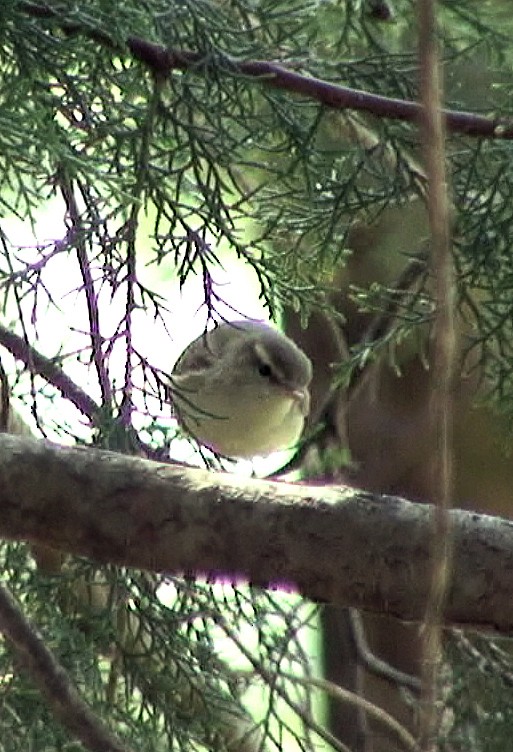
[[329, 94], [332, 544], [162, 61]]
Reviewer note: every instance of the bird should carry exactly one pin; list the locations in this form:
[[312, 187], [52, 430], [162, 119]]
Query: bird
[[241, 389]]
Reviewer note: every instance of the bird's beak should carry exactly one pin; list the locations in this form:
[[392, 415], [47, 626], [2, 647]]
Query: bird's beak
[[302, 397]]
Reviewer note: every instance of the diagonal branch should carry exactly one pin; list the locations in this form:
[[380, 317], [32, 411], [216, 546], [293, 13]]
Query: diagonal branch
[[42, 666], [50, 371]]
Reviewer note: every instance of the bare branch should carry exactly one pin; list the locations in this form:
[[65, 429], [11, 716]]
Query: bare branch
[[77, 237], [331, 543], [376, 665]]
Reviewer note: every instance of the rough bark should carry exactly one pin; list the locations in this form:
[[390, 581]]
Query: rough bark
[[333, 544]]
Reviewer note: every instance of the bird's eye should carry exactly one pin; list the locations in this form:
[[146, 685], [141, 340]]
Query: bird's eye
[[264, 369]]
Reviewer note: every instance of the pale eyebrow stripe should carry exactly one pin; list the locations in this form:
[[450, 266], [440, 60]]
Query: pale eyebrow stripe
[[262, 353]]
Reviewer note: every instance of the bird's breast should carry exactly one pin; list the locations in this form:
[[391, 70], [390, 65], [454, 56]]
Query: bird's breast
[[246, 423]]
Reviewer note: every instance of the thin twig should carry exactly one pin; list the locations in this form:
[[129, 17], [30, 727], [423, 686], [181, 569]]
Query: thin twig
[[341, 694], [270, 680], [21, 319], [5, 402], [131, 274], [90, 293], [493, 665], [344, 695]]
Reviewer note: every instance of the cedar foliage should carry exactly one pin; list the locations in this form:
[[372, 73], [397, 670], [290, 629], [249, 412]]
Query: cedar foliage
[[148, 163]]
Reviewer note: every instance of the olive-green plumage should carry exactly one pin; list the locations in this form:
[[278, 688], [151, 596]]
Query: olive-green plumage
[[242, 389]]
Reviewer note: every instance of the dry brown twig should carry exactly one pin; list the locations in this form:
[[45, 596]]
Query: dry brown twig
[[444, 354]]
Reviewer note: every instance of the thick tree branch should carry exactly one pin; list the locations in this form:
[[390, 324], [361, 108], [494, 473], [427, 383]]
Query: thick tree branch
[[333, 544], [163, 61]]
